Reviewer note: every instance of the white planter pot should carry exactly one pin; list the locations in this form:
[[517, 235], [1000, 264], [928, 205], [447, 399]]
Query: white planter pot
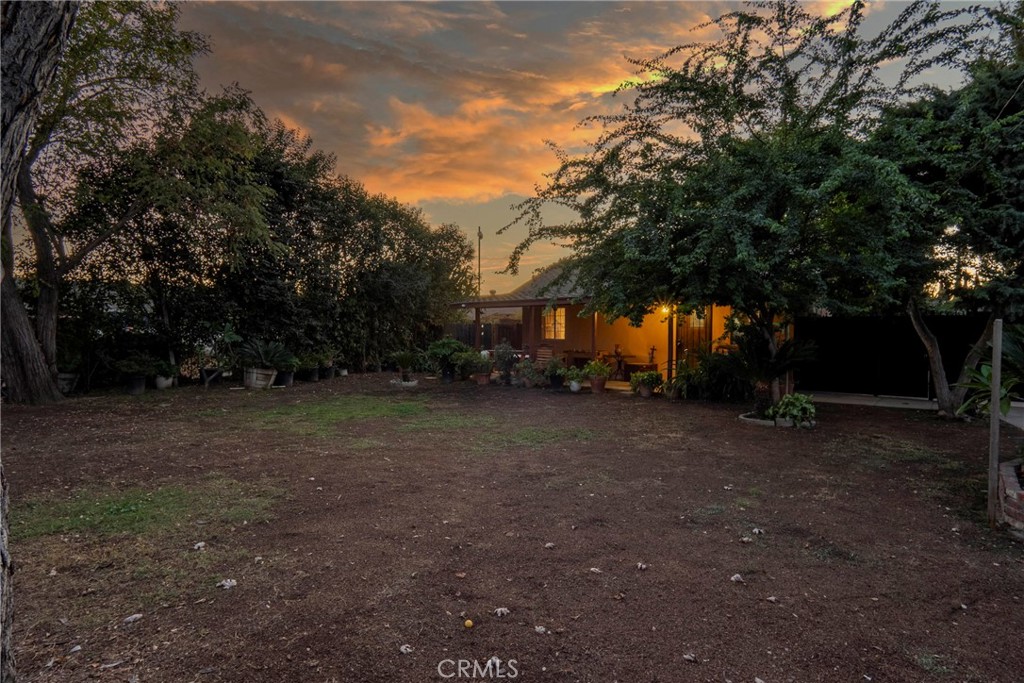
[[575, 386], [163, 382]]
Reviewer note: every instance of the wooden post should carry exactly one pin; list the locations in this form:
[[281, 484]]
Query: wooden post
[[477, 329], [994, 416]]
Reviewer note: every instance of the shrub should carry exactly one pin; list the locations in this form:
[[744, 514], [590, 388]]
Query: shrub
[[796, 407], [646, 378], [597, 368]]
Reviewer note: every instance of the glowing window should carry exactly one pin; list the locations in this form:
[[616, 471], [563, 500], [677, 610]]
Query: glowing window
[[554, 323]]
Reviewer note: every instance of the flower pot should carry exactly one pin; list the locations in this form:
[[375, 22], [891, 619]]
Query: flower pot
[[645, 391], [66, 382], [342, 372], [575, 386], [161, 382], [259, 378], [327, 373], [597, 384], [482, 378], [557, 381], [136, 385], [285, 378], [528, 383]]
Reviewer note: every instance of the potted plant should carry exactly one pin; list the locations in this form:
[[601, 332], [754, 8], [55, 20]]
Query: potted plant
[[466, 363], [325, 362], [677, 387], [480, 368], [307, 367], [217, 356], [166, 371], [645, 382], [405, 361], [136, 367], [793, 410], [286, 371], [555, 372], [261, 360], [527, 372], [442, 354], [598, 371], [505, 358], [575, 376]]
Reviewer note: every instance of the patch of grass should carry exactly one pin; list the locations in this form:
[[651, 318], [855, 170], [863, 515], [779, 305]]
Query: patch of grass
[[535, 437], [321, 418], [363, 443], [450, 420], [830, 552], [139, 511], [879, 452], [932, 663]]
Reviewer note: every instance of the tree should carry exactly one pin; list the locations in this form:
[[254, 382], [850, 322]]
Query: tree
[[33, 38], [127, 69], [172, 211], [962, 152], [738, 176]]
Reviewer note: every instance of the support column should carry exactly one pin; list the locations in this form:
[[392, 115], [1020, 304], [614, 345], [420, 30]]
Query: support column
[[477, 329]]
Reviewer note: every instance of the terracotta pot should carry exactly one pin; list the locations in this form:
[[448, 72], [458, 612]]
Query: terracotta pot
[[483, 378], [597, 384]]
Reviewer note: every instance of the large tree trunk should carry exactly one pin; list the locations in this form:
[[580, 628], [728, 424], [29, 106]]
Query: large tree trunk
[[25, 369], [949, 398], [931, 344], [47, 274], [34, 35]]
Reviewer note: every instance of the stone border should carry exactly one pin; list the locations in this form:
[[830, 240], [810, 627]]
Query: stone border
[[776, 422], [1011, 497]]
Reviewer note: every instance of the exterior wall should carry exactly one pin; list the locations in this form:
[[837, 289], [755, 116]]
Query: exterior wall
[[586, 336]]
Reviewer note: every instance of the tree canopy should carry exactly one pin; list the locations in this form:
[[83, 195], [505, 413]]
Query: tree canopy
[[738, 174]]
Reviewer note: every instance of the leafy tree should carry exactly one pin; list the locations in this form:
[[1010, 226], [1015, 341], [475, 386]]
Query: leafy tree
[[962, 152], [127, 68], [737, 175]]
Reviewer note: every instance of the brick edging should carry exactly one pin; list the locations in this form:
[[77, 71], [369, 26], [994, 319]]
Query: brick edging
[[1011, 497]]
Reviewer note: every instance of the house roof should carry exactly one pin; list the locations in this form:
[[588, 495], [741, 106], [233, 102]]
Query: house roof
[[538, 290]]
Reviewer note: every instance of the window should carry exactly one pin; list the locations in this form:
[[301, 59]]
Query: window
[[554, 323]]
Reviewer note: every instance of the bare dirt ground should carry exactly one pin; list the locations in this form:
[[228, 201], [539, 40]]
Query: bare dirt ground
[[356, 518]]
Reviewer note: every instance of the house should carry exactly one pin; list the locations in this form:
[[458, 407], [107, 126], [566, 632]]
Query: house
[[551, 319]]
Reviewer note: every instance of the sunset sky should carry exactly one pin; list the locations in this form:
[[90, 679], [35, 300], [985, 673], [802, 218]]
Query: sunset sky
[[445, 106]]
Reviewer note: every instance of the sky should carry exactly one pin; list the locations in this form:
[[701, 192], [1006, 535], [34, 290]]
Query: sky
[[445, 106]]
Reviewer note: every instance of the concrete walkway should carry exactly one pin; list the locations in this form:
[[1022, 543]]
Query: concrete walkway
[[1015, 416]]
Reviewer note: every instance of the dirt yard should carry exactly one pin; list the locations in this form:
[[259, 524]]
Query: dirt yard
[[587, 537]]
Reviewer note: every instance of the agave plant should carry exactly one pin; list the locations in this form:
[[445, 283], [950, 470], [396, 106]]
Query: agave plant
[[1011, 380], [405, 360], [257, 353]]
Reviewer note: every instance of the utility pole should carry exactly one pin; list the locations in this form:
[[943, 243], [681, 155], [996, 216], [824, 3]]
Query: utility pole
[[479, 243]]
